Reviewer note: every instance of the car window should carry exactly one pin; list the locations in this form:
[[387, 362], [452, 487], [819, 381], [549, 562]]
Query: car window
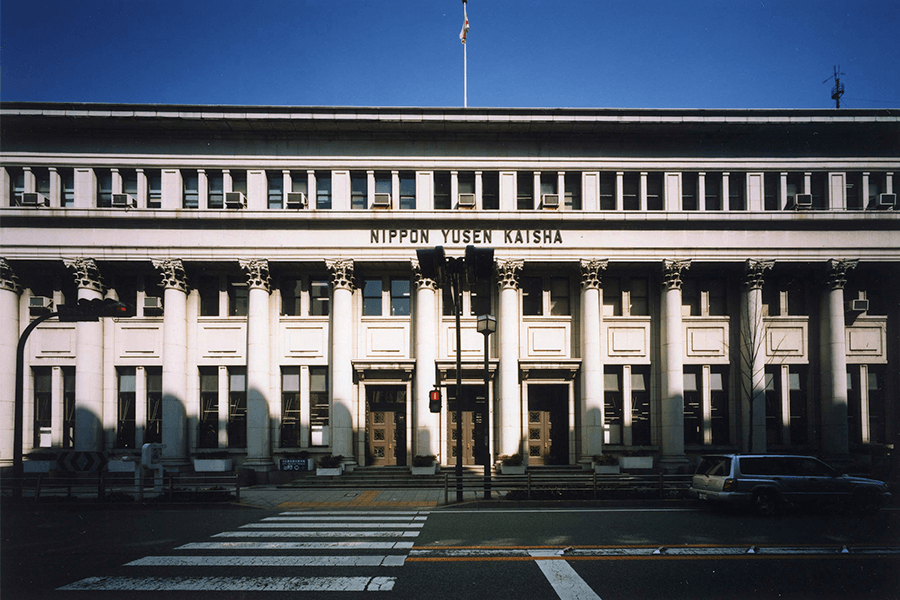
[[714, 465], [762, 465], [809, 467]]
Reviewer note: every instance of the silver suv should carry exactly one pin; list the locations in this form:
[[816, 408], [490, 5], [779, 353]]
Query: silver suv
[[765, 481]]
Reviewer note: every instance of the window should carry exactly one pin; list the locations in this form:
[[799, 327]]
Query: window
[[866, 404], [130, 182], [817, 182], [208, 435], [239, 182], [216, 186], [559, 296], [323, 191], [525, 191], [67, 177], [877, 185], [640, 405], [545, 296], [773, 406], [68, 374], [400, 306], [372, 297], [442, 200], [43, 406], [532, 298], [154, 183], [42, 181], [359, 190], [290, 407], [771, 191], [275, 189], [736, 183], [291, 292], [607, 191], [797, 397], [319, 298], [573, 191], [126, 420], [718, 404], [386, 291], [191, 197], [794, 187], [318, 407], [153, 433], [466, 183], [208, 287], [238, 297], [17, 185], [612, 297], [654, 191], [490, 190], [612, 404], [631, 191], [639, 300], [407, 191], [300, 182], [693, 406], [854, 191], [703, 296], [237, 407], [476, 299], [689, 191], [713, 198], [104, 188], [548, 184]]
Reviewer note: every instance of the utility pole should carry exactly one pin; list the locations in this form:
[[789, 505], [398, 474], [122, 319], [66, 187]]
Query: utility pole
[[838, 90]]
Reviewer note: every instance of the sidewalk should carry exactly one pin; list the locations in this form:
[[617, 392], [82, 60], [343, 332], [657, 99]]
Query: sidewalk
[[271, 497]]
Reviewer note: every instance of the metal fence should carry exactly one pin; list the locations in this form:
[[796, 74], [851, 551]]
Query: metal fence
[[115, 487]]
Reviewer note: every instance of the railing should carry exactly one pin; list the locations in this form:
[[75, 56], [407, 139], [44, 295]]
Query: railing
[[114, 487]]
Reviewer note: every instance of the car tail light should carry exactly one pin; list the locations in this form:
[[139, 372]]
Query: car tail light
[[728, 486]]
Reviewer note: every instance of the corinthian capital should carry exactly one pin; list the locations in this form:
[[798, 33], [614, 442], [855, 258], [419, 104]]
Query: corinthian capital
[[508, 273], [592, 273], [171, 272], [257, 272], [672, 270], [421, 281], [341, 271], [837, 272], [8, 279], [755, 272], [85, 273]]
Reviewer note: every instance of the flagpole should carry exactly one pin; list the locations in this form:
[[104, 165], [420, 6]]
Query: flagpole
[[462, 38]]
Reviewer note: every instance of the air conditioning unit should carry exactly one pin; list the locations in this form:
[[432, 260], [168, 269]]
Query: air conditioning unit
[[382, 200], [858, 306], [467, 200], [39, 305], [550, 200], [887, 201], [297, 200], [34, 199], [123, 201], [235, 200], [802, 201], [152, 304]]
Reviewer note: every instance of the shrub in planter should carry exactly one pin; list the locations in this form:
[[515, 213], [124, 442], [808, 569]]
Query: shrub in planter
[[636, 460], [605, 464], [330, 465], [512, 464], [424, 464], [216, 461]]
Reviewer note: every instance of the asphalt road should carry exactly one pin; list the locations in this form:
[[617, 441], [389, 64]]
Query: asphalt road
[[604, 553]]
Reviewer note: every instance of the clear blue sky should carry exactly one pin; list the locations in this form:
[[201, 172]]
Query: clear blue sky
[[521, 53]]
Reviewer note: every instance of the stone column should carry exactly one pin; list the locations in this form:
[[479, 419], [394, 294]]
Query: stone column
[[10, 291], [428, 424], [259, 439], [753, 359], [174, 358], [341, 354], [88, 360], [672, 344], [508, 329], [835, 441], [591, 359]]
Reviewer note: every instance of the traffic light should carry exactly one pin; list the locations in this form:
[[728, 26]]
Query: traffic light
[[93, 309], [434, 400]]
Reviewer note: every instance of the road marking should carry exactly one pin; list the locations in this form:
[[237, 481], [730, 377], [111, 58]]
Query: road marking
[[269, 561], [343, 513], [234, 584], [290, 522], [296, 545], [323, 534], [567, 584], [330, 521]]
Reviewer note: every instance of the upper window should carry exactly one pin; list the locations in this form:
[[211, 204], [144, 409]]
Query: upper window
[[390, 292], [545, 296], [713, 195], [654, 190], [607, 191], [442, 200], [359, 190], [275, 189], [407, 191], [573, 191], [323, 190], [191, 195], [625, 296], [216, 190], [490, 190], [525, 191]]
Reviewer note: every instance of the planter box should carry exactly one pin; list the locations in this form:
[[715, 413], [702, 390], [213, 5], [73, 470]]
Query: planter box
[[212, 465], [122, 466], [607, 469], [329, 471], [512, 469], [430, 470], [38, 466], [636, 462]]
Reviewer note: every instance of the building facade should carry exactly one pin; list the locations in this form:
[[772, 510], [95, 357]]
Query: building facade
[[665, 282]]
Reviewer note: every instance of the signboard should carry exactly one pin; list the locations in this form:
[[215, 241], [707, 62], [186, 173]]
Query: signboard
[[294, 464], [81, 461]]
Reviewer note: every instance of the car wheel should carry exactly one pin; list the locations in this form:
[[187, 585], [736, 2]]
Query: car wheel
[[766, 503], [865, 500]]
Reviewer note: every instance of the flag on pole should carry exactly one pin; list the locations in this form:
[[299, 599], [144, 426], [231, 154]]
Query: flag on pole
[[465, 28]]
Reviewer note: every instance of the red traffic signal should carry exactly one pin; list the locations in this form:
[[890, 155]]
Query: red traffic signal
[[93, 309], [434, 400]]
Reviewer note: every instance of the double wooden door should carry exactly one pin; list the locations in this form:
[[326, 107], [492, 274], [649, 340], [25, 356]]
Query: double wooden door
[[386, 425], [548, 425]]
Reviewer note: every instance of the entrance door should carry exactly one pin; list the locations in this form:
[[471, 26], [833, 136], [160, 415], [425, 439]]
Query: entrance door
[[548, 425], [474, 430], [386, 425]]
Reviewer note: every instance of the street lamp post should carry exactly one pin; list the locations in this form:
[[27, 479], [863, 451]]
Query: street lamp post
[[486, 325], [476, 265]]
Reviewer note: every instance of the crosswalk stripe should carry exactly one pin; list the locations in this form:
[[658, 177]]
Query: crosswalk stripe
[[322, 534], [343, 513], [326, 521], [234, 584], [296, 545], [270, 561]]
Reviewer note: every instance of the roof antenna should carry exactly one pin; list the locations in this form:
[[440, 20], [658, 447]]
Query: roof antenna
[[838, 90]]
